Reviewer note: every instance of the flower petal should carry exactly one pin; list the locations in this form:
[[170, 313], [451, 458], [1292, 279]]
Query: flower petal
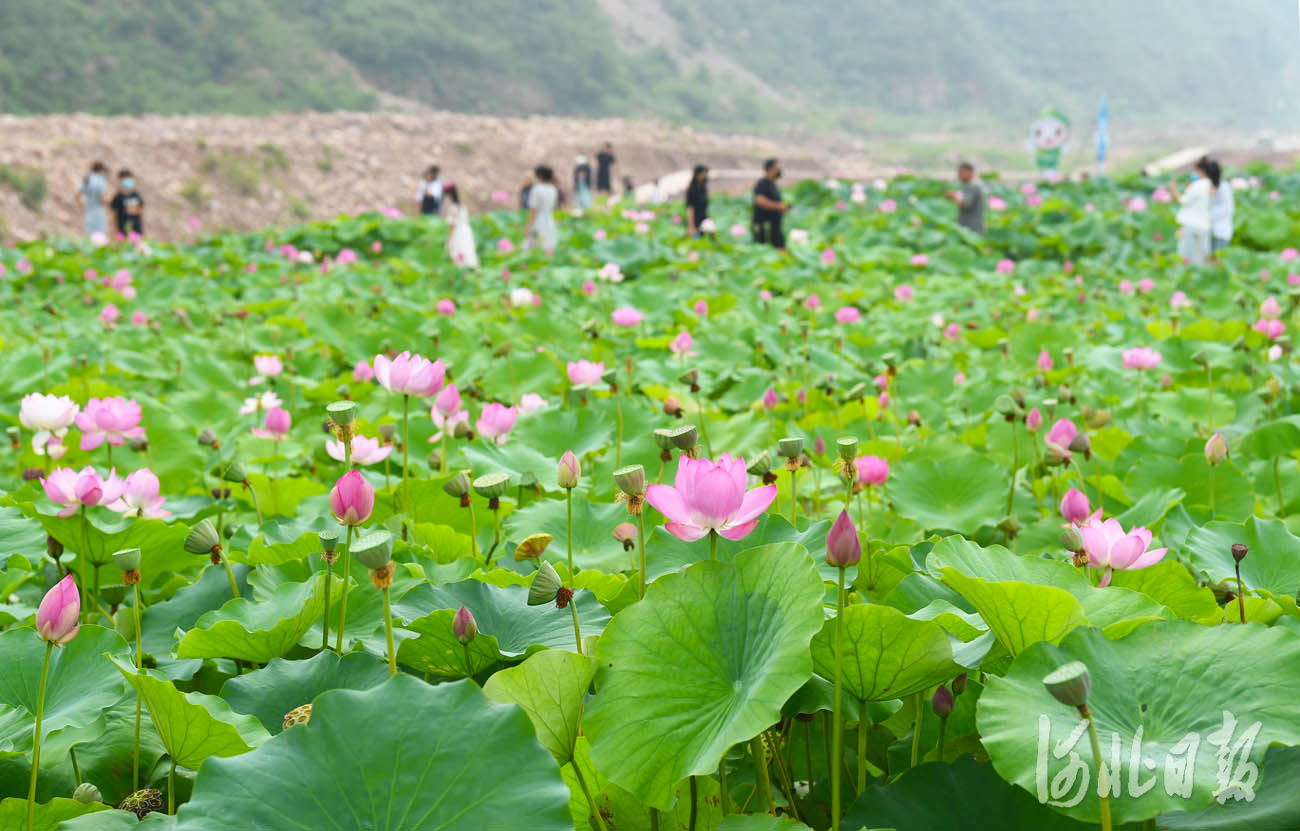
[[669, 502], [684, 532], [755, 502]]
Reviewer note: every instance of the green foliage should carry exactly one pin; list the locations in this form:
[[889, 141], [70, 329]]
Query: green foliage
[[27, 182]]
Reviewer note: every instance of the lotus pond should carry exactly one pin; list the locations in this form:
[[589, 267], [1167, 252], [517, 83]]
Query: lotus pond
[[905, 529]]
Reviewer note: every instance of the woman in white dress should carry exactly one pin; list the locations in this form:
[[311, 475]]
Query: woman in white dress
[[1194, 212], [460, 236], [539, 229]]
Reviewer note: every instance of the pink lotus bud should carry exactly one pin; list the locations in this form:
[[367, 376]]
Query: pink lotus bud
[[626, 316], [701, 308], [352, 498], [942, 703], [463, 626], [1074, 507], [1045, 361], [1033, 420], [278, 420], [568, 471], [813, 303], [362, 372], [1216, 449], [843, 548], [446, 307], [588, 288], [57, 616], [769, 399]]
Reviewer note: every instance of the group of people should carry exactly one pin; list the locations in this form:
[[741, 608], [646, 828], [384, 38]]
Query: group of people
[[440, 197], [1205, 211], [126, 203]]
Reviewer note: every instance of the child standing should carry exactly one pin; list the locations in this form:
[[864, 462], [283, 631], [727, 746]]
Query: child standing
[[127, 205]]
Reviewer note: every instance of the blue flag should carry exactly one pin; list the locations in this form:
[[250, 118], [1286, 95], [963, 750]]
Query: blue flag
[[1103, 129]]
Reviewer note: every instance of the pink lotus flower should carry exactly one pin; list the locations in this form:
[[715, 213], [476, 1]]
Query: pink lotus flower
[[708, 496], [352, 499], [1028, 188], [843, 547], [500, 196], [260, 403], [764, 294], [1125, 286], [1137, 204], [708, 226], [600, 234], [769, 399], [1075, 508], [1274, 195], [1293, 279], [887, 206], [1146, 285], [277, 425], [1109, 547], [1270, 308], [881, 382], [1045, 361], [798, 236], [681, 345], [701, 308], [997, 203], [114, 420], [1062, 433], [1005, 266], [59, 615], [365, 450], [1264, 275], [74, 489], [828, 256], [848, 314], [920, 260], [1031, 315], [505, 246], [1141, 357], [588, 288], [410, 374], [376, 247], [109, 316], [882, 401], [1033, 200], [959, 378], [346, 257], [49, 416], [641, 228], [872, 470], [361, 373], [530, 402], [139, 319], [495, 422], [585, 373], [1161, 194], [1178, 300], [737, 230], [1033, 420], [1289, 254], [903, 293], [813, 303], [952, 331], [1089, 208], [267, 366], [626, 316], [140, 496], [1271, 329]]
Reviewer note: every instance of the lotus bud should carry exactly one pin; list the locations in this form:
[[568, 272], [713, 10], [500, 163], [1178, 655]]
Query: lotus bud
[[203, 539], [760, 465], [57, 618], [342, 413], [959, 684], [128, 559], [672, 406], [790, 447], [1070, 684], [53, 547], [625, 532], [207, 438], [374, 550], [463, 625], [1239, 552], [1071, 539], [144, 802], [819, 446], [914, 418], [546, 582], [388, 432], [568, 471], [1075, 507], [87, 794], [491, 485], [843, 548], [298, 715], [532, 546], [352, 499], [684, 437], [1216, 449], [1033, 420], [630, 480], [234, 472], [457, 486], [942, 703]]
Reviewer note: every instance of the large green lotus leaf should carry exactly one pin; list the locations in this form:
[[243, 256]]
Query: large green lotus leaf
[[1272, 439], [101, 761], [402, 755], [161, 544], [1019, 614], [960, 494], [160, 622], [887, 655], [114, 820], [996, 564], [550, 687], [81, 685], [1273, 563], [20, 534], [1274, 804], [665, 553], [554, 430], [275, 689], [259, 630], [594, 546], [1191, 474], [1171, 585], [1170, 679], [281, 540], [514, 458], [703, 662], [194, 726], [763, 822], [965, 794], [48, 815]]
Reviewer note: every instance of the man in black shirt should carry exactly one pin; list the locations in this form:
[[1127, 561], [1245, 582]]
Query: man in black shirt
[[127, 205], [605, 170], [768, 207]]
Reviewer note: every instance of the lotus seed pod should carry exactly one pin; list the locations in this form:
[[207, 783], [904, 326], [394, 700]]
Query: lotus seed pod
[[298, 715], [457, 485], [760, 465], [848, 447], [630, 480], [491, 485], [87, 793], [203, 538], [128, 559], [546, 582], [144, 801], [234, 472], [790, 447], [663, 438], [342, 413], [1069, 684], [329, 540], [1239, 552], [207, 437], [684, 437], [374, 550], [532, 547]]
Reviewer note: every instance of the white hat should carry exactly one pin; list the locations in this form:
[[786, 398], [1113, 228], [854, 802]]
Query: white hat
[[582, 159]]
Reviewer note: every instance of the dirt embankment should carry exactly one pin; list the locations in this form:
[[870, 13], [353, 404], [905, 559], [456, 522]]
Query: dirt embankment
[[232, 172]]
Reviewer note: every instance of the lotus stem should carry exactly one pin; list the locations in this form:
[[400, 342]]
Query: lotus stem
[[257, 506], [325, 621], [794, 498], [577, 630], [230, 575], [586, 791], [1103, 788], [862, 746], [1209, 385], [943, 729], [725, 797], [139, 655], [568, 537], [837, 731], [171, 789], [1101, 497], [343, 601], [1015, 465], [76, 768], [81, 558], [1277, 479], [640, 536], [713, 544], [760, 764], [36, 738], [406, 452], [618, 445], [473, 531], [916, 733], [694, 804], [1241, 592], [1211, 492], [442, 463], [496, 534], [388, 634], [704, 434]]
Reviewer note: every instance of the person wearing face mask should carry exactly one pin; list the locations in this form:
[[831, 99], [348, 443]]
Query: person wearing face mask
[[768, 207], [127, 205], [1194, 211]]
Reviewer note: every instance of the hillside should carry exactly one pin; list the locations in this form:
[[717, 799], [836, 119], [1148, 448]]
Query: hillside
[[730, 62]]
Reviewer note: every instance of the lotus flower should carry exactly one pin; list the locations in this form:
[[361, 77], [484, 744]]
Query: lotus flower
[[1178, 300], [1005, 266], [798, 236], [681, 345], [1109, 547], [1289, 254], [997, 203], [708, 226], [1033, 420], [84, 488], [352, 498], [446, 307], [109, 316], [813, 303], [626, 316], [1161, 194], [362, 372], [701, 308], [585, 373], [887, 206], [903, 293], [267, 366], [58, 616], [872, 470], [1045, 361], [495, 422], [530, 402], [49, 416], [266, 401], [1271, 329], [769, 399], [843, 547], [114, 420], [828, 256], [708, 496], [521, 298], [1137, 204], [505, 246], [140, 496], [920, 260], [737, 230], [611, 272], [1141, 358], [276, 425], [365, 450], [1270, 308], [1075, 508], [1062, 433], [848, 314], [410, 374]]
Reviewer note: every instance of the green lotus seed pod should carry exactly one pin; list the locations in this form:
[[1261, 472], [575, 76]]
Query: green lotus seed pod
[[234, 472], [848, 447], [790, 447], [374, 550], [329, 540], [342, 412], [203, 538], [87, 793], [684, 437], [546, 582], [457, 485], [761, 465], [663, 437], [128, 559], [1069, 684], [491, 485], [630, 480]]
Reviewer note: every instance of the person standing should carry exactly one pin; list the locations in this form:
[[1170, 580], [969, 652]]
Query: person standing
[[460, 236], [1194, 212], [582, 184], [1221, 210], [605, 170], [768, 207], [970, 199], [93, 196], [697, 200], [539, 228], [430, 197], [127, 205]]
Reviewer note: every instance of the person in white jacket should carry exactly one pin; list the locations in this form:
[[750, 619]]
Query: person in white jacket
[[1221, 210], [1194, 212]]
